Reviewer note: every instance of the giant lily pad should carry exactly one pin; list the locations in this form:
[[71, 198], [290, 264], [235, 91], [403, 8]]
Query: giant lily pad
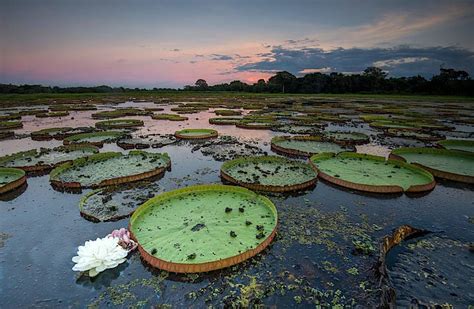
[[10, 179], [97, 138], [203, 228], [443, 163], [371, 173], [171, 117], [305, 146], [8, 125], [120, 113], [39, 160], [224, 120], [458, 144], [118, 123], [196, 133], [53, 114], [269, 173], [58, 133], [109, 168], [111, 203], [144, 142], [349, 138]]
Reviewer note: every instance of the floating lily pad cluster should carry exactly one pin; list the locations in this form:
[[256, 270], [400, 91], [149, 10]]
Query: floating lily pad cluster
[[45, 158], [109, 168], [371, 173], [269, 173], [203, 228]]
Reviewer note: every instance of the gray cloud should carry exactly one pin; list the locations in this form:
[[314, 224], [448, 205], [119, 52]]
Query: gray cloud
[[221, 57], [398, 61]]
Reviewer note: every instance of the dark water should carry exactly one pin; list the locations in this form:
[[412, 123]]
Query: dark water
[[310, 262]]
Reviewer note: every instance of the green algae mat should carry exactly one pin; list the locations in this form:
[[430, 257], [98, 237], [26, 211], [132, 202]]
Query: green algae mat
[[269, 173], [453, 165], [371, 173], [196, 133], [458, 144], [109, 168], [95, 138], [11, 178], [203, 228], [305, 146], [46, 158]]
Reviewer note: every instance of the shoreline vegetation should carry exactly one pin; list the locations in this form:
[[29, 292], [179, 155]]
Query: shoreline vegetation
[[372, 84]]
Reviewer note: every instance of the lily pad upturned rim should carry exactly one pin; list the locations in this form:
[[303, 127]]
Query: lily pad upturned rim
[[18, 182], [118, 124], [269, 188], [372, 188], [206, 266], [114, 135], [396, 154], [44, 167], [300, 153], [259, 124], [206, 133], [55, 182]]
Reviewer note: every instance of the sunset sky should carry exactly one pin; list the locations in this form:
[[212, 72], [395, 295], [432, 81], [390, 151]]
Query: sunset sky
[[173, 43]]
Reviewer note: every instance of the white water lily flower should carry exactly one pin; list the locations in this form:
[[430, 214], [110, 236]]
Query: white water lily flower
[[98, 255]]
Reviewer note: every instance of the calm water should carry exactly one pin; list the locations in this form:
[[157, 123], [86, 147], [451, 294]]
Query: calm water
[[312, 257]]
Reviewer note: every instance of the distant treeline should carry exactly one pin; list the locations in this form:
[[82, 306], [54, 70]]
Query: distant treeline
[[372, 80]]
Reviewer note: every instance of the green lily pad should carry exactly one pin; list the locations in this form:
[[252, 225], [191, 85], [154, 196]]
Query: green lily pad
[[8, 125], [95, 138], [371, 173], [224, 120], [196, 133], [204, 227], [45, 158], [109, 168], [118, 123], [269, 173], [444, 163], [304, 145], [110, 204], [171, 117], [11, 178], [458, 144]]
